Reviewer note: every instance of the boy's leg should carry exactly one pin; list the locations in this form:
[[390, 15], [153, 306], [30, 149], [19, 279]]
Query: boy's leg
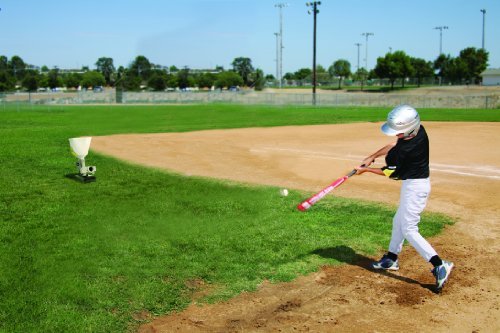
[[414, 194], [397, 237]]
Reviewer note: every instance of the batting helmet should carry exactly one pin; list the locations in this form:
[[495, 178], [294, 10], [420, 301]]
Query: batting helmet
[[403, 119]]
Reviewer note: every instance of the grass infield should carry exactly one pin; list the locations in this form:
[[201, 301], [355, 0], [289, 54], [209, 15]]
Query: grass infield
[[90, 257]]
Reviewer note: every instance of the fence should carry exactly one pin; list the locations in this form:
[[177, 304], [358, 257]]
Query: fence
[[471, 101]]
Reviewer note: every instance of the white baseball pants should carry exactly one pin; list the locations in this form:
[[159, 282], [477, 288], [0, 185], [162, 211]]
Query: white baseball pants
[[414, 194]]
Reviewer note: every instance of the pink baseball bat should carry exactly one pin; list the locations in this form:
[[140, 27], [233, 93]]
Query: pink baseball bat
[[305, 205]]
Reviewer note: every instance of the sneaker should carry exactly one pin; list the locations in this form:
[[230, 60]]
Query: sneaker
[[386, 263], [442, 273]]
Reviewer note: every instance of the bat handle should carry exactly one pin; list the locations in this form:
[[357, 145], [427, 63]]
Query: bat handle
[[353, 172]]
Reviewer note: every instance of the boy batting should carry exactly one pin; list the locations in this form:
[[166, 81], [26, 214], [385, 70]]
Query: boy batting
[[407, 160]]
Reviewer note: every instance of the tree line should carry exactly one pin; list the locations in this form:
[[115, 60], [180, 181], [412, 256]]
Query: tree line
[[465, 68], [142, 74]]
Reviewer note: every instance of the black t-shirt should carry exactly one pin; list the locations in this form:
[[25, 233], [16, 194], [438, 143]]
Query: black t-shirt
[[409, 159]]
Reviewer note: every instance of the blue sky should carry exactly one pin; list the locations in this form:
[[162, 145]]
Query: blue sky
[[207, 33]]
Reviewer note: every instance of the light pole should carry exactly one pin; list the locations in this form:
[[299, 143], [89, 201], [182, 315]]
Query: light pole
[[366, 34], [277, 56], [315, 11], [358, 45], [441, 37], [484, 17], [280, 74]]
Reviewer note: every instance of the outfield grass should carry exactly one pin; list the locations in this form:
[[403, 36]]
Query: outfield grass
[[88, 257]]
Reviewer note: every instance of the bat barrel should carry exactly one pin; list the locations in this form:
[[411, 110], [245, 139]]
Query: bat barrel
[[303, 206]]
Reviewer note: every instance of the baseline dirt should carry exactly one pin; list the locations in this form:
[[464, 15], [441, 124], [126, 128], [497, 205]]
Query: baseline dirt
[[465, 175]]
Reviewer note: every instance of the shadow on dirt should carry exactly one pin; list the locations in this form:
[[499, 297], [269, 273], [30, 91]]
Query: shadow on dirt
[[347, 255]]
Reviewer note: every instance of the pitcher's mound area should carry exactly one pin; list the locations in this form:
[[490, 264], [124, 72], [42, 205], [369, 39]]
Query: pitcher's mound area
[[465, 176]]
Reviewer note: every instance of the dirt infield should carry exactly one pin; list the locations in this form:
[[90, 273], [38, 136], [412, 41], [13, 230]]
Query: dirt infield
[[465, 175]]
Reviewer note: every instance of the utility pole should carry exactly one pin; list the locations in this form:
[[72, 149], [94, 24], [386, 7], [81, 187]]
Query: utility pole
[[358, 45], [484, 17], [280, 55], [441, 28], [315, 11], [367, 34], [277, 34]]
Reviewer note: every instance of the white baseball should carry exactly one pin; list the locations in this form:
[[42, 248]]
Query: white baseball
[[284, 192]]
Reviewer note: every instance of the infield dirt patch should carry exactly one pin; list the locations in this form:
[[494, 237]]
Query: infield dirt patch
[[465, 177]]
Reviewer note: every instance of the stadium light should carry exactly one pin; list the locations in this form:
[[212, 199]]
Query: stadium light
[[367, 34], [314, 11], [277, 34], [484, 17], [358, 45], [441, 28], [280, 73]]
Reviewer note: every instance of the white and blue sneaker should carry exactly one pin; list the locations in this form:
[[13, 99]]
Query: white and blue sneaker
[[442, 273], [386, 263]]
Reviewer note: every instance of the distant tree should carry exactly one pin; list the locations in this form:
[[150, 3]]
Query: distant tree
[[289, 76], [17, 67], [31, 80], [205, 80], [320, 69], [228, 79], [140, 67], [7, 82], [119, 75], [361, 75], [92, 79], [243, 66], [172, 81], [73, 80], [4, 63], [105, 66], [393, 66], [386, 68], [303, 74], [476, 61], [54, 80], [158, 81], [442, 65], [422, 69], [322, 76], [184, 79], [173, 69], [457, 71], [341, 69], [270, 77], [258, 79], [404, 61], [44, 69], [131, 82], [43, 80]]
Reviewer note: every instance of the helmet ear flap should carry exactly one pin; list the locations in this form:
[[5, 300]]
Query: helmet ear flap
[[413, 132]]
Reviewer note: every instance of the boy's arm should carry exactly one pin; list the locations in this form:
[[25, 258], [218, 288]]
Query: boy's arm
[[381, 152], [377, 171]]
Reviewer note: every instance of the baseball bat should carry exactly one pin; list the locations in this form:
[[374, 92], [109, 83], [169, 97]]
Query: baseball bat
[[305, 205]]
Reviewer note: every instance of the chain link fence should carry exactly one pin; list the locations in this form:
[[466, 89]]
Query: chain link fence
[[485, 100]]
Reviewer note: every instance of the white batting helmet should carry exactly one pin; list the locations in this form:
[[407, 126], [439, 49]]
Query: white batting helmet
[[403, 119]]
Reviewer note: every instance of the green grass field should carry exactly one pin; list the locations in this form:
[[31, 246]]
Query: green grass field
[[87, 257]]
